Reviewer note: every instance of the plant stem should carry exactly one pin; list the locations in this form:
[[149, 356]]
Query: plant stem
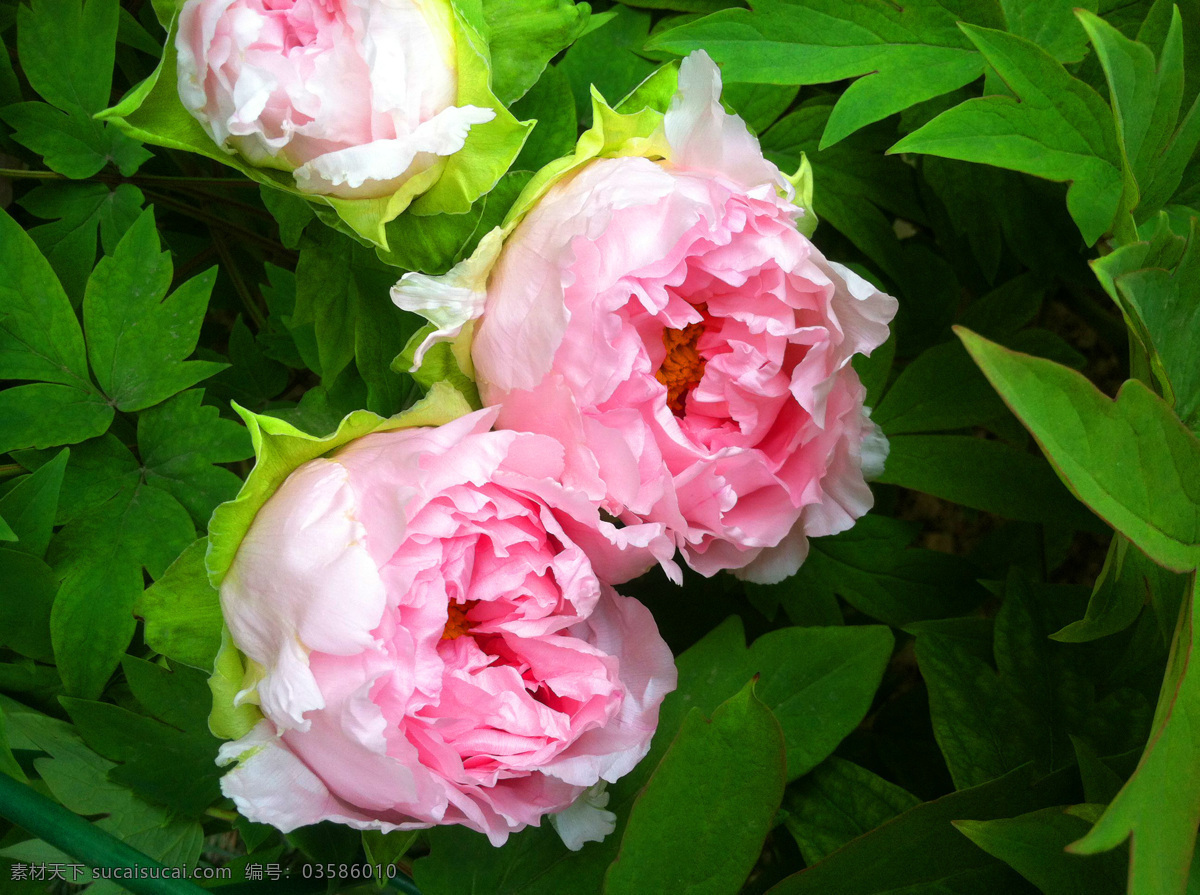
[[239, 284], [214, 220], [10, 469]]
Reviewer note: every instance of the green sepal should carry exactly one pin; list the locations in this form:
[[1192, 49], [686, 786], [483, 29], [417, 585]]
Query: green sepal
[[232, 673], [153, 113], [279, 448]]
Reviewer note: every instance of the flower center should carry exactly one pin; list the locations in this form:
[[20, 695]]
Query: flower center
[[457, 622], [683, 366]]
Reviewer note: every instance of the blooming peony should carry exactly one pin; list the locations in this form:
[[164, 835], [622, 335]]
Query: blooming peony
[[355, 97], [658, 313], [433, 638]]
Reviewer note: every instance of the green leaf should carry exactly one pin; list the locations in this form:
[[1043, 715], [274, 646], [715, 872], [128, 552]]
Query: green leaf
[[40, 337], [1146, 99], [177, 696], [608, 59], [907, 53], [829, 674], [1033, 843], [71, 143], [30, 507], [138, 336], [940, 389], [873, 568], [699, 823], [552, 105], [67, 50], [164, 765], [45, 414], [78, 211], [6, 533], [1167, 304], [1130, 460], [1053, 126], [988, 722], [526, 34], [759, 105], [921, 849], [100, 555], [1051, 24], [1126, 580], [1158, 809], [840, 801], [27, 589], [180, 440], [182, 611], [387, 848], [987, 475]]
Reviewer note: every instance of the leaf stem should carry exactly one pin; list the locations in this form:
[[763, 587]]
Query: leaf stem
[[215, 221], [10, 469]]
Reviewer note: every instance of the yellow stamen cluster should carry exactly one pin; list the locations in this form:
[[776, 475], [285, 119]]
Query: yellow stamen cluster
[[683, 366], [457, 623]]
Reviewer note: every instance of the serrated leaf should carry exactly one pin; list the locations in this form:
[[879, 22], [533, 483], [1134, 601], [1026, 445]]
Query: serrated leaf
[[837, 802], [180, 441], [30, 507], [182, 611], [920, 849], [987, 475], [138, 336], [698, 824], [907, 53], [1130, 460], [1053, 126], [526, 34], [1033, 843]]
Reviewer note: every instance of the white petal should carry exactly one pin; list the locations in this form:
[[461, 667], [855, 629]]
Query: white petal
[[585, 819], [875, 448], [452, 300], [704, 137]]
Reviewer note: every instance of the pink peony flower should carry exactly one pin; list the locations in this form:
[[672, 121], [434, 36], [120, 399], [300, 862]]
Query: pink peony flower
[[660, 315], [354, 96], [435, 639]]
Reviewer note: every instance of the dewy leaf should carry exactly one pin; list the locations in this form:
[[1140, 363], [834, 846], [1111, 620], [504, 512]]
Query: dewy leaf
[[526, 34], [921, 849], [1033, 843], [907, 54], [1054, 126], [180, 440], [138, 336], [698, 825], [182, 611], [1130, 460], [837, 802], [1158, 809]]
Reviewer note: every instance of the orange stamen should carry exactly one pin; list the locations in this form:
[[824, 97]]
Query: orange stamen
[[683, 366], [457, 622]]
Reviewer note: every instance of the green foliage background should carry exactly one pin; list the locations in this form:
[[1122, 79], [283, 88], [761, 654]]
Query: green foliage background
[[985, 686]]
